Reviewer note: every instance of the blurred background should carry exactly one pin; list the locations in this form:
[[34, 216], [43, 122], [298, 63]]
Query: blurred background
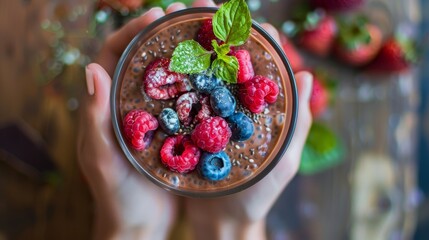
[[365, 165]]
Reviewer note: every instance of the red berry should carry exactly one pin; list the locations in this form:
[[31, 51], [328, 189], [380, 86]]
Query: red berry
[[212, 134], [319, 39], [245, 67], [358, 43], [319, 99], [180, 154], [205, 111], [160, 83], [205, 35], [256, 93], [190, 102], [337, 5], [138, 127], [393, 57]]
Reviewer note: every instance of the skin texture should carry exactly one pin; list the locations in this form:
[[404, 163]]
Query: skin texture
[[127, 205]]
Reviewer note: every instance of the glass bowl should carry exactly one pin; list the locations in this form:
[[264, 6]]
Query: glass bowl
[[252, 159]]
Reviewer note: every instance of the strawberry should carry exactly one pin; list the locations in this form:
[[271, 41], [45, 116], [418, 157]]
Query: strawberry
[[337, 5], [319, 99], [395, 55], [358, 41], [292, 53], [317, 37]]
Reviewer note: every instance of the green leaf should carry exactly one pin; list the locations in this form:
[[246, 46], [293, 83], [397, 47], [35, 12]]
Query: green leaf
[[322, 150], [232, 22], [220, 50], [190, 57], [226, 68]]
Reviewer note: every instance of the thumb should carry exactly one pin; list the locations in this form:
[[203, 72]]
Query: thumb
[[289, 164], [98, 84]]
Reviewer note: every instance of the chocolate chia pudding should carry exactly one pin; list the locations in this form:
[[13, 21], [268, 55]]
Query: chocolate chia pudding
[[251, 159]]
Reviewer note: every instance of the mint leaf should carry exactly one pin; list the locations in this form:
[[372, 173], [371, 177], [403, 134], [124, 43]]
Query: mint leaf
[[232, 22], [220, 50], [226, 67], [190, 57]]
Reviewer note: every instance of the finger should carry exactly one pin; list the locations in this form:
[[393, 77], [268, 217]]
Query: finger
[[289, 164], [203, 3], [118, 41], [271, 30], [174, 7], [98, 86]]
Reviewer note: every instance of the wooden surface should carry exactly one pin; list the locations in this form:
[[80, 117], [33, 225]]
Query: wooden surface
[[29, 208]]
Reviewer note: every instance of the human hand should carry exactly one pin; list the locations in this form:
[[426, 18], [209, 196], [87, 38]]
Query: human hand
[[242, 215], [127, 204]]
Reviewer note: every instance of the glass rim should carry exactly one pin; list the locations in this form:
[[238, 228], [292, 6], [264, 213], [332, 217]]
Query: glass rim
[[123, 145]]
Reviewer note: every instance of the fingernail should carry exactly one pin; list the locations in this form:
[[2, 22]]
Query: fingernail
[[89, 81], [307, 78], [155, 10]]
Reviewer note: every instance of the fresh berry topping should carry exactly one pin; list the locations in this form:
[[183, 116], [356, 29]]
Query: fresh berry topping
[[319, 39], [205, 111], [204, 83], [222, 102], [245, 67], [319, 99], [212, 134], [138, 127], [256, 93], [215, 166], [241, 126], [180, 154], [205, 35], [160, 83], [169, 121], [184, 105], [192, 108]]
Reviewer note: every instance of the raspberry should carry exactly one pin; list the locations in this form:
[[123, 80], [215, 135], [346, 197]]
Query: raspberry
[[184, 106], [205, 111], [192, 108], [169, 121], [212, 134], [241, 126], [139, 127], [205, 35], [215, 166], [245, 67], [161, 83], [180, 154], [256, 93], [222, 101]]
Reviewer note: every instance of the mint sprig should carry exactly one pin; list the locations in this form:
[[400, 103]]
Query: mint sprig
[[190, 57], [231, 24]]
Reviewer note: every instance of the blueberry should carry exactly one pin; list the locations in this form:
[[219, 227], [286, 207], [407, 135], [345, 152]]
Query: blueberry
[[222, 102], [169, 121], [215, 166], [204, 83], [241, 126]]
